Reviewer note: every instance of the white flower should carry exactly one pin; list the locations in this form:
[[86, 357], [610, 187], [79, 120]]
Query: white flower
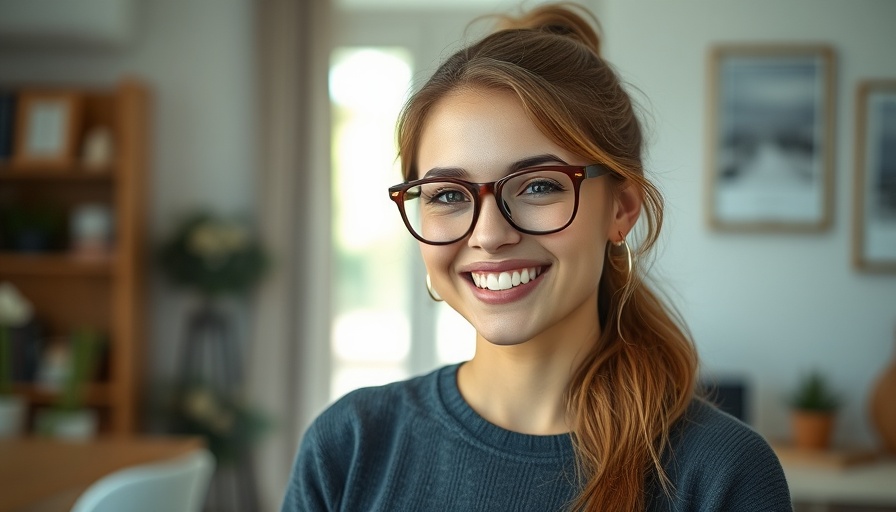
[[15, 310], [200, 404], [216, 241]]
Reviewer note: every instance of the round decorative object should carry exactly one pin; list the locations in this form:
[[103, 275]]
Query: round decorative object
[[91, 228], [883, 406], [99, 149]]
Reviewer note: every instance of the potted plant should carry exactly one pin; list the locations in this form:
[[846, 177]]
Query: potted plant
[[814, 406], [214, 258], [15, 311], [33, 228], [69, 418]]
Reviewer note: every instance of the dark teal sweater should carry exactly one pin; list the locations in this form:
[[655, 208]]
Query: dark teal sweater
[[416, 446]]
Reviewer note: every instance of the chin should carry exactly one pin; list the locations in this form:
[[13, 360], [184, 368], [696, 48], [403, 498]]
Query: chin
[[504, 334]]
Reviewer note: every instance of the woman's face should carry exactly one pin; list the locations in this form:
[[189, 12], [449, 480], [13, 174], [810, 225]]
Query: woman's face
[[483, 134]]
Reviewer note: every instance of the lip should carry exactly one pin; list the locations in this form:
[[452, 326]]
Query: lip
[[501, 266], [503, 296]]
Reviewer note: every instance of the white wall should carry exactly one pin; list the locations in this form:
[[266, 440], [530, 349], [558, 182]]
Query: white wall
[[763, 306], [197, 58]]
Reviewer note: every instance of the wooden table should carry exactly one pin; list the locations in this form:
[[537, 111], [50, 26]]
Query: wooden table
[[43, 474], [857, 477]]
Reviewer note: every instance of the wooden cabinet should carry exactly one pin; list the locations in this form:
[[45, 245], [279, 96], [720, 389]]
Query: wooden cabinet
[[104, 290]]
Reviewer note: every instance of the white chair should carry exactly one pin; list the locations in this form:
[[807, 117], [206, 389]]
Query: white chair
[[176, 485]]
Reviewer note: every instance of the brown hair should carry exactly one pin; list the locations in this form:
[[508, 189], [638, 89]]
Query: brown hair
[[639, 376]]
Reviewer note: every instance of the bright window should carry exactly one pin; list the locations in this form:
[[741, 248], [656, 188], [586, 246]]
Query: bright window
[[379, 303]]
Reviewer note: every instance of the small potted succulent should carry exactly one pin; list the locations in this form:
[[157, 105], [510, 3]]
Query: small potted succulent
[[814, 407], [69, 417]]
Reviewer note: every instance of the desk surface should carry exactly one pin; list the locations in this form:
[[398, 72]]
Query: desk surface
[[45, 474], [870, 483]]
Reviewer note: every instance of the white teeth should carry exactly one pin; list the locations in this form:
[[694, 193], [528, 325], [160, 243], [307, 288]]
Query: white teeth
[[504, 280]]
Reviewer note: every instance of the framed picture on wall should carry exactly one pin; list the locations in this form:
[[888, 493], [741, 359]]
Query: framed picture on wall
[[874, 217], [47, 128], [770, 138]]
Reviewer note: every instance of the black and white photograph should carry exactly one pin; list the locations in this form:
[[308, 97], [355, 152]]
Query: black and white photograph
[[875, 241], [770, 138]]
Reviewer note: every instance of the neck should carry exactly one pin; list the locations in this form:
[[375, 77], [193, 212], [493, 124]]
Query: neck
[[523, 387]]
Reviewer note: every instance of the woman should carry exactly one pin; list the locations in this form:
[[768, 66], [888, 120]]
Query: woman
[[523, 181]]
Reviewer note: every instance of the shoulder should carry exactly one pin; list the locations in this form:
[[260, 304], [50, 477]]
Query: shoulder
[[704, 429], [718, 461], [361, 426]]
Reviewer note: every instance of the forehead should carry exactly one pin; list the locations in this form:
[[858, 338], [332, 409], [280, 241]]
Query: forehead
[[483, 132]]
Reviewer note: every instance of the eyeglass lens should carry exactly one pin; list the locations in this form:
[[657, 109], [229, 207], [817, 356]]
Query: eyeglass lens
[[537, 201]]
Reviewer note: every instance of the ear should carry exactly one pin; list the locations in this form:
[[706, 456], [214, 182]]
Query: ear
[[627, 202]]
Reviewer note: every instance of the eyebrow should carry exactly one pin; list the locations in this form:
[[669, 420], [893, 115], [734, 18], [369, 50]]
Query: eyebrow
[[459, 172]]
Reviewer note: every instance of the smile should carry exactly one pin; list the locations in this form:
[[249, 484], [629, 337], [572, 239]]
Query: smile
[[497, 281]]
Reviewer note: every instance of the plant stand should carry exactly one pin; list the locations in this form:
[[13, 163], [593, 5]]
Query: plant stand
[[210, 359]]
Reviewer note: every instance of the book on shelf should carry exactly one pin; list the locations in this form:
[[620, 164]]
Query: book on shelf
[[26, 348], [7, 124]]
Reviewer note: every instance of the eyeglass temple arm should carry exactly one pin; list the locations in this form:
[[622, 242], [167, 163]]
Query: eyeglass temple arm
[[595, 170]]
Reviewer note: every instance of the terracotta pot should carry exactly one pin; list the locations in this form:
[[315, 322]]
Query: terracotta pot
[[812, 429], [882, 407]]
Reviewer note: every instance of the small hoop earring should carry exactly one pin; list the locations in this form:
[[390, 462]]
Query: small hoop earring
[[628, 252], [434, 295]]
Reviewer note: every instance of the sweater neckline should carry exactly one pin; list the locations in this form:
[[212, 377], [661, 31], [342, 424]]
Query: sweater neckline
[[475, 427]]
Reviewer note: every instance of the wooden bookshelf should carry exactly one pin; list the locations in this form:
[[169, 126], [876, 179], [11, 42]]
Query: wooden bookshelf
[[103, 291]]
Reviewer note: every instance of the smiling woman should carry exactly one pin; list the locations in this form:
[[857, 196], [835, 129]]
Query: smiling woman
[[523, 181]]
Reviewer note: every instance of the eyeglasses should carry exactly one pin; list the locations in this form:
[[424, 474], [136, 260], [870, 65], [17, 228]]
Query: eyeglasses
[[535, 201]]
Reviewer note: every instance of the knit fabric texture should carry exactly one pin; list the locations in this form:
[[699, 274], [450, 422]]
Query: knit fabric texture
[[417, 446]]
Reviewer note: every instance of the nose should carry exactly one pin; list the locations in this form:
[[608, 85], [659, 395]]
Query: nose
[[492, 231]]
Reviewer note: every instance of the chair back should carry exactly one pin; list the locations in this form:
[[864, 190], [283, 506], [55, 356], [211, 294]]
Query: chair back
[[176, 485]]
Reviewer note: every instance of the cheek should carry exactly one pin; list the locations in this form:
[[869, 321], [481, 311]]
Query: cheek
[[437, 258], [586, 238]]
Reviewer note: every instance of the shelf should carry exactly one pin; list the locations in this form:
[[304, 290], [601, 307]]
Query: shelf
[[55, 264], [9, 173], [98, 394]]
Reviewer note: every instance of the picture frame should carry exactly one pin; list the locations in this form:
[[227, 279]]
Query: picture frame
[[47, 126], [770, 144], [874, 214]]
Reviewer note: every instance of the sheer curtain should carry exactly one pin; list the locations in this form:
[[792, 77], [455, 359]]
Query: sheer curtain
[[289, 351]]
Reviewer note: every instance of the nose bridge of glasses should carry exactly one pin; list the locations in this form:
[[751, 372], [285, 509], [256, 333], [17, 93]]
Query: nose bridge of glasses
[[484, 188], [490, 189]]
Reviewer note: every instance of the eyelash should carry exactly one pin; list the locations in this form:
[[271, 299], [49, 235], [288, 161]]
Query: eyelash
[[434, 197]]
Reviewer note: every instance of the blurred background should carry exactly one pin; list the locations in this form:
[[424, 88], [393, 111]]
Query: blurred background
[[281, 114]]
